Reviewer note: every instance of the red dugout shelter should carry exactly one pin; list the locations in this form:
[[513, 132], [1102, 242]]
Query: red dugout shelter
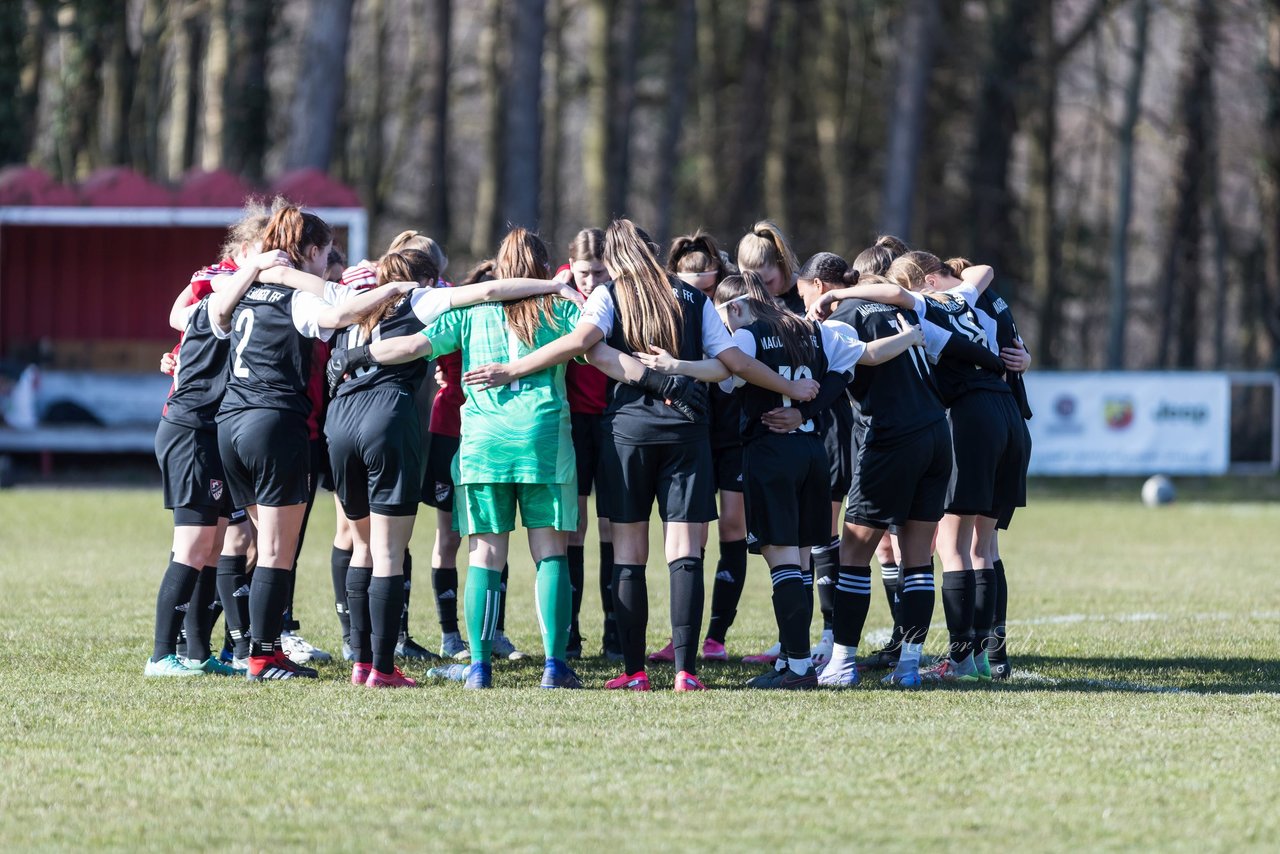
[[87, 273]]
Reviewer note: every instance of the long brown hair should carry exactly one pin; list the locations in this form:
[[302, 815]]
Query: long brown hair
[[406, 265], [765, 245], [646, 304], [876, 258], [523, 255], [795, 332], [294, 231], [587, 245], [696, 253]]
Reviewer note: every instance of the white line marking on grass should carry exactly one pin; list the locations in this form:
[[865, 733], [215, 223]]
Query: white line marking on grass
[[1143, 617]]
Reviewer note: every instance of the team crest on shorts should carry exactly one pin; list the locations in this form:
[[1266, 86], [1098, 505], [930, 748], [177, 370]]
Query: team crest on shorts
[[215, 489], [442, 491]]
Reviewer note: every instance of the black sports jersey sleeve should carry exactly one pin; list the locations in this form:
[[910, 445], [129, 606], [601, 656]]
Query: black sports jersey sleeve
[[270, 358], [201, 377], [1006, 336], [897, 397], [409, 376]]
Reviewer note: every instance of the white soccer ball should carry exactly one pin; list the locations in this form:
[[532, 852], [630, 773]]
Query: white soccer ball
[[1157, 491]]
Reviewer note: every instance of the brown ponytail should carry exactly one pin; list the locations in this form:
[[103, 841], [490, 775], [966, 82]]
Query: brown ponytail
[[910, 270], [587, 245], [765, 245], [293, 230], [795, 332], [643, 295], [696, 253], [523, 255], [876, 259], [411, 239], [407, 265]]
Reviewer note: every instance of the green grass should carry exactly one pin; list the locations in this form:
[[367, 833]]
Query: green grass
[[1150, 718]]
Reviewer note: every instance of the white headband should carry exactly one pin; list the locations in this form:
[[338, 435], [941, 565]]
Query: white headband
[[732, 301]]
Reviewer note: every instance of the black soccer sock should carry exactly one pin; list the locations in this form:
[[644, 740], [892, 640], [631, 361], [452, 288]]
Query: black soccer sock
[[807, 576], [339, 560], [502, 599], [631, 609], [577, 578], [957, 605], [198, 620], [1001, 648], [826, 566], [687, 594], [984, 608], [288, 623], [792, 608], [444, 584], [726, 590], [358, 580], [408, 589], [268, 595], [891, 578], [386, 605], [171, 607], [606, 579], [852, 599], [915, 600], [233, 590]]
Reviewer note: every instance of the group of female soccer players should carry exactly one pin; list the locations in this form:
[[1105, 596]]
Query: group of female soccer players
[[825, 403]]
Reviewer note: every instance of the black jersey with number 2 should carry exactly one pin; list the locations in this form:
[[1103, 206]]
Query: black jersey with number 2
[[270, 358], [201, 377], [898, 397]]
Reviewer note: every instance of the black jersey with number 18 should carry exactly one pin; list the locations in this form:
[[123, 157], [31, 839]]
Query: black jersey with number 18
[[770, 349], [409, 376], [270, 357]]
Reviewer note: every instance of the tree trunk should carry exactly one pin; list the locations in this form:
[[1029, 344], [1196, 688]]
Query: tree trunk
[[145, 114], [119, 86], [522, 175], [484, 232], [1046, 251], [830, 96], [622, 105], [248, 99], [217, 65], [1270, 180], [780, 132], [184, 89], [554, 70], [915, 49], [1119, 303], [82, 29], [371, 112], [321, 79], [23, 29], [683, 49], [709, 153], [750, 135], [1181, 280], [595, 132], [438, 107]]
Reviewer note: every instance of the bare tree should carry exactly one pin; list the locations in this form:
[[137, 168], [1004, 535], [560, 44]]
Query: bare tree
[[622, 103], [680, 65], [1125, 144], [595, 133], [746, 155], [23, 30], [1269, 294], [555, 92], [321, 80], [484, 232], [522, 173], [1180, 282], [183, 36], [217, 65], [910, 86], [248, 99]]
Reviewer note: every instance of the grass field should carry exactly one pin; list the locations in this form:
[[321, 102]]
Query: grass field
[[1146, 715]]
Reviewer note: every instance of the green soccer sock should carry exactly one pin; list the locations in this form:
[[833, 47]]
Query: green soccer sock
[[555, 605], [482, 597]]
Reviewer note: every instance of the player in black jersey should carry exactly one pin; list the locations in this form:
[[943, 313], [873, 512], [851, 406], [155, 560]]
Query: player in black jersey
[[787, 475], [987, 432], [654, 451], [766, 251], [191, 469], [904, 467], [697, 260], [991, 591], [262, 429]]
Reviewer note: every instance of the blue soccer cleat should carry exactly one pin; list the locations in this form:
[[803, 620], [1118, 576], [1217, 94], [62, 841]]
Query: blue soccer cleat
[[479, 675], [558, 674]]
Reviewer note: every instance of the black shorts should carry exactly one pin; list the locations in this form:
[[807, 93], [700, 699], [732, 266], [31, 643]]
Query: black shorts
[[838, 440], [437, 483], [679, 476], [321, 470], [375, 449], [266, 456], [588, 434], [787, 490], [195, 487], [727, 462], [989, 436], [902, 479], [1004, 514]]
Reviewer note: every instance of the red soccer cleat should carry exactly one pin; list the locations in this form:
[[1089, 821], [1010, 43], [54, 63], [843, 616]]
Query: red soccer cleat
[[394, 679], [360, 673], [666, 655], [638, 681], [688, 682]]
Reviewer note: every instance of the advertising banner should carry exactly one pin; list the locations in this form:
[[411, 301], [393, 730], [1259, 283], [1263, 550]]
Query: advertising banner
[[1129, 423]]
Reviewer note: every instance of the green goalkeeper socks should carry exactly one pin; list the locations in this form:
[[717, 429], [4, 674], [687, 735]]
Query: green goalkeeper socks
[[482, 597], [555, 605]]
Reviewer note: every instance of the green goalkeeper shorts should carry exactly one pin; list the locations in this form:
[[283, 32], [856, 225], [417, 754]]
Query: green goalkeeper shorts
[[490, 508]]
